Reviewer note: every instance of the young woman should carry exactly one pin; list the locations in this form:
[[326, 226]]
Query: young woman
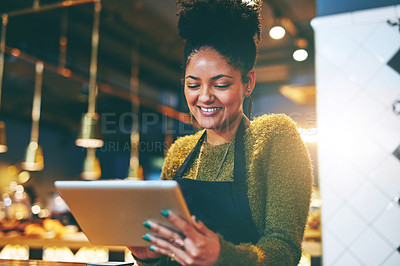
[[247, 183]]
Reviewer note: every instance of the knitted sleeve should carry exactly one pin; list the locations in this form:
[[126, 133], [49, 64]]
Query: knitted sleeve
[[285, 164]]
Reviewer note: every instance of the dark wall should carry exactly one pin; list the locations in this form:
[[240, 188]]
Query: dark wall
[[329, 7]]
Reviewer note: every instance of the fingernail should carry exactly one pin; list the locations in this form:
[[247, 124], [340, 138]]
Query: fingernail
[[147, 225], [146, 237], [165, 213], [152, 248]]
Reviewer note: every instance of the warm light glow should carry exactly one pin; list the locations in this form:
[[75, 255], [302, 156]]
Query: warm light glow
[[12, 170], [15, 52], [3, 148], [66, 72], [13, 185], [308, 135], [19, 215], [249, 2], [59, 201], [36, 209], [15, 252], [301, 43], [19, 189], [67, 3], [32, 166], [44, 213], [24, 176], [20, 196], [277, 32], [300, 55], [34, 158], [89, 143], [92, 175], [33, 145]]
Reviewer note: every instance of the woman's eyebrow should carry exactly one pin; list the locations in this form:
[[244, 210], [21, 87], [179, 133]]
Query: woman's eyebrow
[[193, 77], [221, 76], [213, 78]]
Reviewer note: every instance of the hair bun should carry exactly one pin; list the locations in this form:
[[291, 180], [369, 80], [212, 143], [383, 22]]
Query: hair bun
[[208, 20]]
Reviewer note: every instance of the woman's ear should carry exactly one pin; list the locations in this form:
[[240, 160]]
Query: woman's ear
[[250, 82]]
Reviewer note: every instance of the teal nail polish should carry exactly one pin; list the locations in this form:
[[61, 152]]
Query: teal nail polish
[[152, 248], [146, 237], [165, 213], [147, 225]]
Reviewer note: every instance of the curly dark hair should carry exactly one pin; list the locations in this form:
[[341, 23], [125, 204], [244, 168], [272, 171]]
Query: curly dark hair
[[231, 27]]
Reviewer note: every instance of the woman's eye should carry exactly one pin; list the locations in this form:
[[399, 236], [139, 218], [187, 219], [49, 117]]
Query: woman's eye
[[192, 86], [222, 86]]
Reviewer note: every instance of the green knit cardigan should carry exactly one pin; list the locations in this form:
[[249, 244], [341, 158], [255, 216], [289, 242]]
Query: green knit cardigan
[[279, 188]]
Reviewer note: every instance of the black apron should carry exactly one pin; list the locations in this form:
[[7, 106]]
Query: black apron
[[222, 206]]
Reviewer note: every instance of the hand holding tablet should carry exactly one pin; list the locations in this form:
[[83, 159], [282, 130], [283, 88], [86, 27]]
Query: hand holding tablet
[[113, 212]]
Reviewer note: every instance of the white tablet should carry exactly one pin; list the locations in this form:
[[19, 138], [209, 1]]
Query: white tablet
[[113, 212]]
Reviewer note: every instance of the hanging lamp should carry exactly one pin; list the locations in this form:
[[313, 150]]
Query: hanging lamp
[[90, 136], [3, 143], [135, 172], [34, 156], [91, 166]]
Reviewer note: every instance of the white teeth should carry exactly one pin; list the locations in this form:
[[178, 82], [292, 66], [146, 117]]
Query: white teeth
[[210, 109]]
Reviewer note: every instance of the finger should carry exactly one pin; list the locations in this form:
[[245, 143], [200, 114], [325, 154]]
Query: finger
[[200, 226], [194, 222], [178, 243], [143, 253], [185, 227], [162, 231], [177, 255]]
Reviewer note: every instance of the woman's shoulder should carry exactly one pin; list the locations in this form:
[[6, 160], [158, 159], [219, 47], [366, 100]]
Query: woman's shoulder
[[272, 124]]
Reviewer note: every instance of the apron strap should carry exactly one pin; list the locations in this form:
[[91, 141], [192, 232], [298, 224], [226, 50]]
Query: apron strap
[[239, 163], [239, 170], [182, 168]]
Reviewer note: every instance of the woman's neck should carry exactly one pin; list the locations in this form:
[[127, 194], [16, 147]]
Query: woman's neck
[[225, 135]]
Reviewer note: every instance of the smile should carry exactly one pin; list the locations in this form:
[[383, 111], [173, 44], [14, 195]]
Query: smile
[[211, 109]]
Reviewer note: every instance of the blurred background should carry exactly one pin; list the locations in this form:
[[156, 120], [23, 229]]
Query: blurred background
[[93, 90], [137, 40]]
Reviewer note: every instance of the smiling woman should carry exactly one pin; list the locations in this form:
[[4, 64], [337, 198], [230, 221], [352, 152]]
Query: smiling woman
[[214, 91], [247, 183]]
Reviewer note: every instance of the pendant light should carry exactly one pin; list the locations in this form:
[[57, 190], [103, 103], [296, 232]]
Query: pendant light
[[91, 166], [90, 136], [34, 156], [135, 172], [3, 144]]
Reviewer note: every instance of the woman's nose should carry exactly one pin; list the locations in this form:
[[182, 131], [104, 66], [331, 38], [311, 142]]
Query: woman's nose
[[205, 94]]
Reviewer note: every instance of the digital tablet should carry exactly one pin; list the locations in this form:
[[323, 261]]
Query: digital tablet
[[113, 212]]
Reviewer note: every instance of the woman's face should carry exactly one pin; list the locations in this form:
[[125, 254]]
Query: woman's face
[[214, 90]]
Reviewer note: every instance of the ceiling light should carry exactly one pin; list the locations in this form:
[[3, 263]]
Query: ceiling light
[[301, 43], [277, 32], [34, 155], [90, 130], [33, 158], [3, 145], [134, 172], [300, 55], [91, 166], [90, 136]]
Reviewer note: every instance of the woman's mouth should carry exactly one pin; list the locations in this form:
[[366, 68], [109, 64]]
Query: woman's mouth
[[209, 110]]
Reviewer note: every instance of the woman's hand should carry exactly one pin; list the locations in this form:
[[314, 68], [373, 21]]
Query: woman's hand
[[199, 246], [144, 253]]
